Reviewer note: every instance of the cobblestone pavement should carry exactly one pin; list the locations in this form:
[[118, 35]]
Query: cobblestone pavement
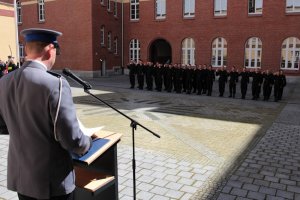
[[208, 145]]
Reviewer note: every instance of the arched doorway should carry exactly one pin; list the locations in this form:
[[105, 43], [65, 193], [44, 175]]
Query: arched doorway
[[160, 51]]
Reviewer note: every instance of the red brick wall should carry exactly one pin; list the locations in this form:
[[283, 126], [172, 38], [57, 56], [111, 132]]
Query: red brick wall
[[237, 27], [73, 19]]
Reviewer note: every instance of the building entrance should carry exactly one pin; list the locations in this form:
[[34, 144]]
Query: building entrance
[[160, 51]]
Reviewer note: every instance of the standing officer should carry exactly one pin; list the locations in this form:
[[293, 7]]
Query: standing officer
[[233, 79], [244, 82], [222, 80], [267, 84], [210, 77], [132, 72], [38, 111], [257, 80]]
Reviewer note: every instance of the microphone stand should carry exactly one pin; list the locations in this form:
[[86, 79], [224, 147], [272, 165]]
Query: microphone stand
[[133, 125]]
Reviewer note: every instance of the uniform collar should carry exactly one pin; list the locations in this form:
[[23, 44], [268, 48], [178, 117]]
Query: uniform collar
[[39, 62]]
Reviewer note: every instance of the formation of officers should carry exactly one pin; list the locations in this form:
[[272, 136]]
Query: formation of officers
[[199, 79]]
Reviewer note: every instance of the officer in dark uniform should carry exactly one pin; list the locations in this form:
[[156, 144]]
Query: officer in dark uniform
[[233, 79], [169, 78], [257, 80], [244, 82], [132, 72], [178, 78], [158, 77], [267, 84], [222, 73], [279, 84], [189, 79], [149, 70], [37, 108], [198, 77], [140, 72], [203, 78], [210, 77]]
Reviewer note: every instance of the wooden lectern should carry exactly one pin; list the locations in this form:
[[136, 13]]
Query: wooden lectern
[[97, 171]]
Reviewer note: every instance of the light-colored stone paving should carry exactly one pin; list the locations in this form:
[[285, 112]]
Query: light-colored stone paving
[[203, 139]]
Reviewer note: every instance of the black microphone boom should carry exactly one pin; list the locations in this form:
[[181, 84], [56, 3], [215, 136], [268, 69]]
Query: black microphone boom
[[85, 85]]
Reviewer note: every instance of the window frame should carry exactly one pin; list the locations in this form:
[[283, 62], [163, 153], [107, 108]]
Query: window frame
[[221, 14], [19, 12], [115, 11], [191, 11], [188, 50], [295, 51], [109, 35], [116, 46], [21, 51], [102, 36], [108, 6], [248, 51], [160, 11], [134, 10], [41, 10], [255, 12], [293, 7], [217, 49], [134, 50]]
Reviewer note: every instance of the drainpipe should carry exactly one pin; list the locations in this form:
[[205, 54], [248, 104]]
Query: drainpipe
[[122, 50], [17, 32]]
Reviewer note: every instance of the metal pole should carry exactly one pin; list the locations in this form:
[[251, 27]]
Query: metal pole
[[16, 32]]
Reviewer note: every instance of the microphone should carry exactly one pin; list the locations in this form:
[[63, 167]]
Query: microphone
[[85, 84]]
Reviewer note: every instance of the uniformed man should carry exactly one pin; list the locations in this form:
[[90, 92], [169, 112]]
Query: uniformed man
[[132, 72], [37, 109], [267, 84], [257, 80], [210, 78], [222, 73], [279, 84], [244, 82], [140, 72], [233, 79]]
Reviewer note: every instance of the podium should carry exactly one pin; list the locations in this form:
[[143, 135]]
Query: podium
[[97, 171]]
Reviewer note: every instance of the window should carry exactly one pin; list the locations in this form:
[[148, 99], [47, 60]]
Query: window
[[116, 45], [255, 6], [102, 32], [220, 7], [290, 53], [189, 8], [219, 52], [21, 50], [134, 9], [41, 8], [134, 50], [292, 6], [109, 41], [108, 5], [160, 9], [253, 52], [116, 8], [188, 51], [19, 12]]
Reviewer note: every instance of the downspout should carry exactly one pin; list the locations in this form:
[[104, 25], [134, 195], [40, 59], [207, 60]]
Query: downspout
[[122, 50], [16, 33]]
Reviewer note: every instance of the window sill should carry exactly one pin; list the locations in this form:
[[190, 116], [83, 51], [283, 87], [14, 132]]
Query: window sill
[[255, 15], [160, 19], [292, 13], [220, 16], [134, 20], [188, 18]]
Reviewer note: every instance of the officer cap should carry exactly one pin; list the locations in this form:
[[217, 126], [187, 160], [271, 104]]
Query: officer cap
[[40, 35]]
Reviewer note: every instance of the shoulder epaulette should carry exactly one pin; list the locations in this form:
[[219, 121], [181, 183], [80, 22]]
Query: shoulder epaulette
[[54, 74]]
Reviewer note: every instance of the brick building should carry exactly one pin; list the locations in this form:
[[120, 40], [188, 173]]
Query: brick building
[[103, 35], [8, 39]]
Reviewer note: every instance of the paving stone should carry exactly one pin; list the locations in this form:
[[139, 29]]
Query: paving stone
[[285, 194], [175, 194], [239, 192], [293, 189], [226, 197], [256, 195], [174, 186], [251, 187], [267, 190], [143, 195]]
